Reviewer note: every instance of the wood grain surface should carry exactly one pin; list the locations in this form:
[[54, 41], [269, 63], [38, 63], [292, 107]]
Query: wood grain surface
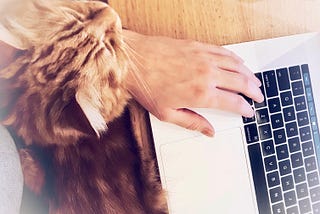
[[219, 21]]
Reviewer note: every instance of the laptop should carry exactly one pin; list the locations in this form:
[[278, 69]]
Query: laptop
[[265, 164]]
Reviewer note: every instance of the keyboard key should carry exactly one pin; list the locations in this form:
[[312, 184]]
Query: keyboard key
[[283, 79], [251, 132], [259, 178], [307, 149], [312, 110], [287, 183], [300, 103], [310, 163], [295, 72], [309, 94], [248, 119], [303, 118], [264, 103], [279, 136], [284, 167], [270, 83], [290, 198], [314, 124], [305, 133], [305, 206], [278, 208], [275, 194], [292, 129], [299, 175], [302, 190], [274, 105], [296, 160], [294, 144], [265, 132], [273, 179], [316, 208], [289, 114], [249, 100], [270, 163], [277, 121], [293, 210], [262, 116], [267, 147], [297, 88], [305, 74], [286, 98], [282, 152], [315, 194], [313, 179]]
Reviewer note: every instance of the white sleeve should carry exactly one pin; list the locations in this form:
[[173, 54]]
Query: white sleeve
[[11, 178]]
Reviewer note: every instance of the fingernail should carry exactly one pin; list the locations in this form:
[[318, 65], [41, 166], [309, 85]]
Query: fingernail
[[257, 94], [261, 98], [248, 111], [207, 132], [250, 115], [257, 81]]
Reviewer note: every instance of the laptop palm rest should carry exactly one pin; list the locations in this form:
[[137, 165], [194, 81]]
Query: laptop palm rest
[[208, 175]]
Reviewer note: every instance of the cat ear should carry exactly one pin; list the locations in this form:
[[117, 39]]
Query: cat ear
[[90, 107], [11, 30]]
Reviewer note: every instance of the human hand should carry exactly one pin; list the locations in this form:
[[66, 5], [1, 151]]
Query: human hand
[[168, 76]]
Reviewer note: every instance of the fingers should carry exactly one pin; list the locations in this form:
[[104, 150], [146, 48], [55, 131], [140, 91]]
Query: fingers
[[229, 101], [190, 120], [234, 76], [240, 83], [230, 64]]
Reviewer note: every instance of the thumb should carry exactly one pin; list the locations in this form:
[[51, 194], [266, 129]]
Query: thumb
[[190, 120]]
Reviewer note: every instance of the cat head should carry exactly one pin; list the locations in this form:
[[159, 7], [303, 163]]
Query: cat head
[[68, 81]]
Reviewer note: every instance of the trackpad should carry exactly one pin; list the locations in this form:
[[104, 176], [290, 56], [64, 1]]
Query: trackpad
[[208, 175]]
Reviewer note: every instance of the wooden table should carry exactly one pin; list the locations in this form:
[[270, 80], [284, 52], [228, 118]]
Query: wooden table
[[217, 21]]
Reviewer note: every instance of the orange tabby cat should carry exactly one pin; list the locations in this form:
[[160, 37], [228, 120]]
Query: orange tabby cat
[[60, 94]]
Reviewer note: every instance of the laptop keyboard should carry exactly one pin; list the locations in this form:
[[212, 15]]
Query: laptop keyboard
[[283, 143]]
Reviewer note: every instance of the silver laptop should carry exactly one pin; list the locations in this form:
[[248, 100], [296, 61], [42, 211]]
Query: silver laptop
[[265, 164]]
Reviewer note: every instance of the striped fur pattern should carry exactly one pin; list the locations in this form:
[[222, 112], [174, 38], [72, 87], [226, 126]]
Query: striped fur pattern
[[65, 87]]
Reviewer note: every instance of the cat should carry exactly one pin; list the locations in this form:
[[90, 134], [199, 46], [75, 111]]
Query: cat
[[59, 96]]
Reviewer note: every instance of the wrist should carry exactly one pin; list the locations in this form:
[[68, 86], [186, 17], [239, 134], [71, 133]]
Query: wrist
[[135, 52]]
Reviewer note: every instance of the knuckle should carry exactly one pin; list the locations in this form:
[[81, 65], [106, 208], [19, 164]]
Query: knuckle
[[236, 63], [219, 74], [164, 116], [199, 91], [245, 82], [205, 65], [203, 72], [225, 51], [239, 101]]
